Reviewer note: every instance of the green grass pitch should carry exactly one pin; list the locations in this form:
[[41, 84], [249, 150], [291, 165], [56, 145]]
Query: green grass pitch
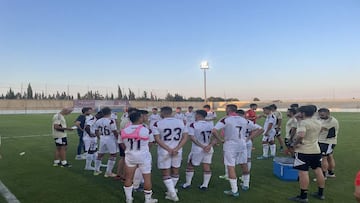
[[32, 178]]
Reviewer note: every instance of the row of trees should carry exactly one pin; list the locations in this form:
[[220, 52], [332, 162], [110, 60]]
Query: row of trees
[[129, 95]]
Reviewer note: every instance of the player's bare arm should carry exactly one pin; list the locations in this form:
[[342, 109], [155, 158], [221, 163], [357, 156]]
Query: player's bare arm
[[58, 127], [162, 144], [87, 130], [116, 134], [77, 124], [216, 135], [182, 143], [256, 133], [299, 138], [122, 145], [268, 129], [210, 145], [97, 133], [195, 141], [279, 123], [292, 132]]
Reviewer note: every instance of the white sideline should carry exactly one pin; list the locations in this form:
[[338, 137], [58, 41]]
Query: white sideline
[[24, 136], [5, 192]]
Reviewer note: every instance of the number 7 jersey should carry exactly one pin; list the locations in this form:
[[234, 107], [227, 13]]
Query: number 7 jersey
[[234, 132], [170, 131]]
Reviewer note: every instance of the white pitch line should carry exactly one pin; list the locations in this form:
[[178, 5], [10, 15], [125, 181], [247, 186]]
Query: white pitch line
[[5, 192], [24, 136]]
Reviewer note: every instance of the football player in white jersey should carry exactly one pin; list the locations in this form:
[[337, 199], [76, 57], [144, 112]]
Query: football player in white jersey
[[252, 131], [190, 115], [211, 115], [135, 140], [121, 162], [154, 117], [138, 177], [290, 130], [179, 115], [106, 129], [201, 149], [234, 147], [279, 119], [90, 140], [269, 134], [170, 135]]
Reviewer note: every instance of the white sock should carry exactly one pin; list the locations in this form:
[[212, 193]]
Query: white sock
[[95, 155], [226, 171], [137, 178], [265, 150], [233, 185], [206, 180], [89, 158], [175, 180], [56, 161], [128, 192], [189, 176], [249, 165], [169, 185], [110, 166], [148, 194], [273, 149], [246, 180], [97, 165], [63, 162]]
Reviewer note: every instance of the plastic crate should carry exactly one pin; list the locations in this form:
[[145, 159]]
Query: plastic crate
[[283, 169]]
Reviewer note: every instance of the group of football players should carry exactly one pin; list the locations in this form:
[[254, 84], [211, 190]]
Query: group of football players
[[170, 132]]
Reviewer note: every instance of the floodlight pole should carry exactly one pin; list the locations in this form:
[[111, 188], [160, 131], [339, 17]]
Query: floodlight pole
[[204, 65]]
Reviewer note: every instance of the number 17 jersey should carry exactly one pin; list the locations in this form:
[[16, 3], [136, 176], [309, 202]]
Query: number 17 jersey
[[170, 130], [201, 131]]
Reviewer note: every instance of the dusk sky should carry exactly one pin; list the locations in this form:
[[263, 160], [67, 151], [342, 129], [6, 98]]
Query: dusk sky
[[271, 49]]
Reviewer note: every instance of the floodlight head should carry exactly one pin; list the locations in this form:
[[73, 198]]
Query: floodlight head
[[204, 65]]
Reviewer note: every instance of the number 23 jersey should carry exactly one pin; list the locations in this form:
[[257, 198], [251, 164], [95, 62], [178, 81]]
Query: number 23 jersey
[[170, 131]]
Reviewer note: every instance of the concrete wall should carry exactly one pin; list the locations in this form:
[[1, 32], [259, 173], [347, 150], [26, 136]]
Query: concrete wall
[[50, 106]]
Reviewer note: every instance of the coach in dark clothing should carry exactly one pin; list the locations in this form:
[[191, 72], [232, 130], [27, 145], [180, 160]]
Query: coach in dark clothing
[[80, 123]]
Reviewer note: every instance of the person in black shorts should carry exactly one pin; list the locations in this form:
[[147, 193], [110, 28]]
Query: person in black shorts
[[307, 154], [60, 137], [327, 141]]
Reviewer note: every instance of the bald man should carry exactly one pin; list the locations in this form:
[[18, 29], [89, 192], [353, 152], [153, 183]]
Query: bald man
[[59, 134]]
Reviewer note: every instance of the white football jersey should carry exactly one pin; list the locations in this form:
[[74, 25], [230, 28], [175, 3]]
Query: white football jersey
[[270, 119], [137, 147], [179, 116], [291, 123], [190, 117], [105, 126], [234, 132], [90, 121], [114, 116], [153, 118], [170, 131], [201, 130], [251, 127], [210, 115]]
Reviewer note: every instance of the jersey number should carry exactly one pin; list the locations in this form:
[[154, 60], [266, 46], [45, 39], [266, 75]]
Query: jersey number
[[239, 131], [168, 133], [206, 135], [104, 130], [132, 144]]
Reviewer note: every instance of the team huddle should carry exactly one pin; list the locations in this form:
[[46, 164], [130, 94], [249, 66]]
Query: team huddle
[[307, 138]]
